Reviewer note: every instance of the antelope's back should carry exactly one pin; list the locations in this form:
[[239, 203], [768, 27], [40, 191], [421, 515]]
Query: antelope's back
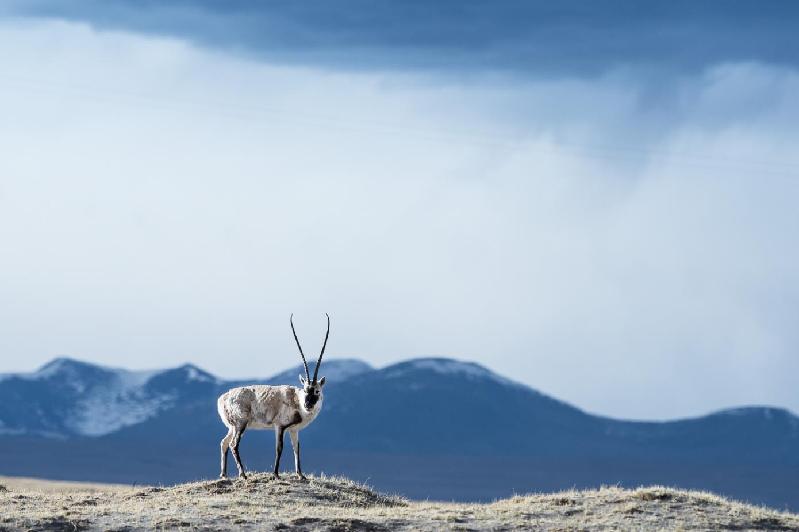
[[256, 405]]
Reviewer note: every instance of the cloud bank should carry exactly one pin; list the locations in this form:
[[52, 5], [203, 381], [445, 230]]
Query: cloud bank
[[625, 245], [461, 36]]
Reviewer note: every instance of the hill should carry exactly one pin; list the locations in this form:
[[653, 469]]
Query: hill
[[425, 428], [335, 503]]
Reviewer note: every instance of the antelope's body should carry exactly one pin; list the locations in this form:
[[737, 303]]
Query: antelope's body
[[266, 407], [282, 408]]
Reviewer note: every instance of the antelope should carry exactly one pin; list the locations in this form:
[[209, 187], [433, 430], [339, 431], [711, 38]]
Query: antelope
[[283, 408]]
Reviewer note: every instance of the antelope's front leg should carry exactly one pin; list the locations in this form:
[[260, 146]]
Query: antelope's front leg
[[278, 449], [295, 444], [234, 448]]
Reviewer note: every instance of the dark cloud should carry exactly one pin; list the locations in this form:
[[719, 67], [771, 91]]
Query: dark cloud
[[569, 36]]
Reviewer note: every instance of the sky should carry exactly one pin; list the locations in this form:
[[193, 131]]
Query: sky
[[598, 200]]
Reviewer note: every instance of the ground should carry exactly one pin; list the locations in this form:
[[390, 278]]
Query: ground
[[334, 503]]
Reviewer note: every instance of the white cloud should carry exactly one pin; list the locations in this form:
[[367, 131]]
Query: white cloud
[[624, 243]]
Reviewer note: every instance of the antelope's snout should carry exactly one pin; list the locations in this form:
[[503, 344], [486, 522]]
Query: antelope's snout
[[311, 398]]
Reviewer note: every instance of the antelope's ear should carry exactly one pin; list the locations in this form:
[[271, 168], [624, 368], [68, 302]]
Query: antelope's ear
[[322, 382], [302, 379]]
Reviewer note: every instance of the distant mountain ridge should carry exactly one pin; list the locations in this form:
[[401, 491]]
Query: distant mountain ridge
[[430, 427], [68, 397]]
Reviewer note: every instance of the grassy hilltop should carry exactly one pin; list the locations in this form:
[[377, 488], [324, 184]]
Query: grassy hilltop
[[333, 503]]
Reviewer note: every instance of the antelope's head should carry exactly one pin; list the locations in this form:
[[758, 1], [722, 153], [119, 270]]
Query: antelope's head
[[312, 388]]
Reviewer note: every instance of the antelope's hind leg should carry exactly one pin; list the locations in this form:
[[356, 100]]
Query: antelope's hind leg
[[225, 444], [295, 444], [234, 448], [278, 449]]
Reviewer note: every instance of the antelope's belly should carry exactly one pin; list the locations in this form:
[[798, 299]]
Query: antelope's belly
[[260, 425]]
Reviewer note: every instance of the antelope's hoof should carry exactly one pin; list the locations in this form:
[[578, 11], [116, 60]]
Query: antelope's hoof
[[243, 475], [277, 476], [300, 476], [222, 475]]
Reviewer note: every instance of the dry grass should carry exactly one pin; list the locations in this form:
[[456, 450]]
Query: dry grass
[[26, 484], [332, 503]]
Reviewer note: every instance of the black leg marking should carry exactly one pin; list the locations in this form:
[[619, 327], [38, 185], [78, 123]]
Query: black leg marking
[[234, 448], [295, 442], [278, 449], [297, 419], [297, 460]]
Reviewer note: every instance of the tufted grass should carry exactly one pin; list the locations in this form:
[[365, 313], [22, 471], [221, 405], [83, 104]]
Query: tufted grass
[[336, 503]]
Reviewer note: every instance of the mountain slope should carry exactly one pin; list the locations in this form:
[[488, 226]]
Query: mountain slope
[[67, 397], [426, 427], [441, 405]]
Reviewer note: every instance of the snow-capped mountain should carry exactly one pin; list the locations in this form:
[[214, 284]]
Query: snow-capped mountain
[[67, 397], [335, 370], [430, 427]]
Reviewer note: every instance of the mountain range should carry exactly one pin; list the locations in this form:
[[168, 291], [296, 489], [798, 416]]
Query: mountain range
[[425, 428]]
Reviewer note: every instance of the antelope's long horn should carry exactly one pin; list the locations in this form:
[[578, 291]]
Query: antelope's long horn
[[319, 362], [307, 373]]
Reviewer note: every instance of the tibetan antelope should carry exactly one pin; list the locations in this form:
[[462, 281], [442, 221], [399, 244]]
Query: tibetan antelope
[[283, 408]]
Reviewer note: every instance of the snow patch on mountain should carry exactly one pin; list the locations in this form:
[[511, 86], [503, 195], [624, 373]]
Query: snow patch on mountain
[[56, 367], [343, 368], [452, 367], [767, 412], [67, 369], [334, 370], [120, 402], [100, 400], [109, 410], [134, 379], [448, 366], [194, 374]]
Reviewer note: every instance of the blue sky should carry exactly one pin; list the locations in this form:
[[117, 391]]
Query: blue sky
[[599, 202]]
